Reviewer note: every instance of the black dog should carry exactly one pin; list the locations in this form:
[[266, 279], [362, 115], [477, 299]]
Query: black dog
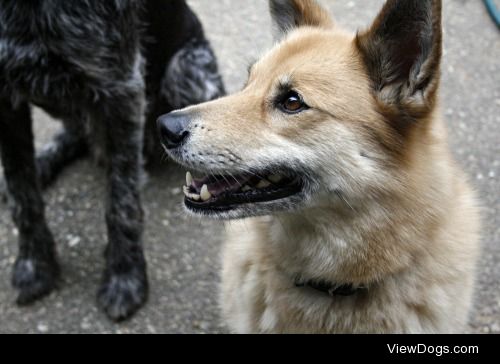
[[93, 64]]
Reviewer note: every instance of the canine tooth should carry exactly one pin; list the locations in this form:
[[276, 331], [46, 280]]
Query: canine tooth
[[246, 188], [185, 189], [263, 184], [275, 178], [189, 179], [205, 194]]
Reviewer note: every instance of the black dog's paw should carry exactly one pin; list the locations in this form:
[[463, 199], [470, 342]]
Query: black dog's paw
[[121, 295], [34, 279]]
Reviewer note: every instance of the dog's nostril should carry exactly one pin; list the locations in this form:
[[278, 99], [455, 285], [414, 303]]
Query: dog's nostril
[[171, 135], [173, 129]]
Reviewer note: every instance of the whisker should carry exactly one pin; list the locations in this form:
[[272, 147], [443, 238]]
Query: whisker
[[246, 170], [342, 197], [213, 176], [225, 179], [233, 177]]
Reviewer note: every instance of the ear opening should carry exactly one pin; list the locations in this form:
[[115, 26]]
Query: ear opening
[[290, 14], [402, 52]]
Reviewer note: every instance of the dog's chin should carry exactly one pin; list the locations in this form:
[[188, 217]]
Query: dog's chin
[[245, 195]]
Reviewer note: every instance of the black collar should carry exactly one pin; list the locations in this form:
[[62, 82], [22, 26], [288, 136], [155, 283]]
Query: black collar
[[332, 289]]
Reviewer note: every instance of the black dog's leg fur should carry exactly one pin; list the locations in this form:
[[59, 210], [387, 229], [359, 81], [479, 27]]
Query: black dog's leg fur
[[124, 287], [67, 146], [153, 151], [36, 269]]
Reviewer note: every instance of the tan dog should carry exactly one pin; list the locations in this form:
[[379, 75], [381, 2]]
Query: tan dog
[[337, 140]]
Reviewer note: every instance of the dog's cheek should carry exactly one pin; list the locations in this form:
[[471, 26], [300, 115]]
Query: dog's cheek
[[335, 154]]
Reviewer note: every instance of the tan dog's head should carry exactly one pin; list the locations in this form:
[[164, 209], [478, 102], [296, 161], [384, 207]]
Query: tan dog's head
[[325, 117]]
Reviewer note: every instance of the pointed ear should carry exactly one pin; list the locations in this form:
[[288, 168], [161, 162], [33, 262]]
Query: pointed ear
[[290, 14], [402, 52]]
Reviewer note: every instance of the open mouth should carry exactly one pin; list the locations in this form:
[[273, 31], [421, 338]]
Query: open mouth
[[220, 193]]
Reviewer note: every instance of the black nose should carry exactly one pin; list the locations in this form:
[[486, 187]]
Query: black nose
[[173, 129]]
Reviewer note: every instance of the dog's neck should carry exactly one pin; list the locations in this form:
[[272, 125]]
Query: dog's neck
[[355, 244]]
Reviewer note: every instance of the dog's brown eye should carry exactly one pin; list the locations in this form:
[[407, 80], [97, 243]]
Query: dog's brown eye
[[293, 103]]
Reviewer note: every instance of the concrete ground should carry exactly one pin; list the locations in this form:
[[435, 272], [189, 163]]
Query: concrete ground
[[183, 253]]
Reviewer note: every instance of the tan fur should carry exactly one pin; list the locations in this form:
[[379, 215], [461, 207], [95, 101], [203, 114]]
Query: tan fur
[[406, 225]]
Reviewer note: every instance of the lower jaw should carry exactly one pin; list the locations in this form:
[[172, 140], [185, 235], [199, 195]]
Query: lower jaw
[[226, 210], [215, 210]]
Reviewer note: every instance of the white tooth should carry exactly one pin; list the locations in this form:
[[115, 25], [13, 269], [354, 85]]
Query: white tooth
[[275, 178], [189, 179], [263, 184], [186, 191], [205, 193], [246, 188], [194, 196]]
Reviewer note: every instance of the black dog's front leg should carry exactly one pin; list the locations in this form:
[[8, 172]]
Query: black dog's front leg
[[124, 288], [36, 269]]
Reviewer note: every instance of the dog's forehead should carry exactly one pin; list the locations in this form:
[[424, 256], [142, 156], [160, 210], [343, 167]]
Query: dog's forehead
[[306, 48]]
